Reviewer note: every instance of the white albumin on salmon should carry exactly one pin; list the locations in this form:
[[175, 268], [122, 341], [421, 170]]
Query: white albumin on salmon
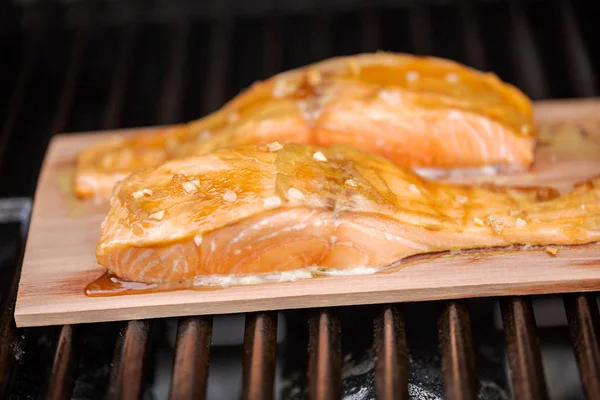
[[420, 112], [300, 206]]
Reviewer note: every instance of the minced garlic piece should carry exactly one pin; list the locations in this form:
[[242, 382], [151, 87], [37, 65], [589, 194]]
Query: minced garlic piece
[[553, 251], [319, 156], [230, 196], [294, 193], [351, 183], [275, 146], [478, 221], [157, 215], [461, 199], [313, 77], [189, 187], [412, 76], [198, 239], [141, 193], [521, 222], [272, 202], [452, 77], [413, 188], [496, 224], [354, 67]]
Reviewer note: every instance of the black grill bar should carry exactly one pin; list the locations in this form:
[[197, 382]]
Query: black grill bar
[[584, 328], [74, 68], [471, 32], [420, 28], [219, 64], [260, 349], [370, 32], [391, 354], [522, 346], [129, 365], [527, 60], [20, 90], [64, 365], [321, 38], [577, 57], [272, 57], [170, 102], [116, 101], [324, 355], [456, 349], [190, 370]]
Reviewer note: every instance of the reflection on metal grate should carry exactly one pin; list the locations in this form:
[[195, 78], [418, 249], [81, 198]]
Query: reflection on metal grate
[[523, 348], [281, 42]]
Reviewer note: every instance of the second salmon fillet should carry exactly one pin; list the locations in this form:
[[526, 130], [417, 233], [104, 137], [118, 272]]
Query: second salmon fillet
[[420, 112]]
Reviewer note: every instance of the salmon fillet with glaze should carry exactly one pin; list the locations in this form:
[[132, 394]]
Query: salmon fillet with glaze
[[417, 111], [264, 209]]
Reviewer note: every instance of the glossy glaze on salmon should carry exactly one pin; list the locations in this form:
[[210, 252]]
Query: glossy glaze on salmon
[[417, 111], [272, 208]]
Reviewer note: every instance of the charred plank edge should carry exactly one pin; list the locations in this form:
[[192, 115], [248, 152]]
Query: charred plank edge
[[325, 355], [522, 346], [192, 353], [260, 350], [131, 352], [391, 354], [584, 329], [456, 349]]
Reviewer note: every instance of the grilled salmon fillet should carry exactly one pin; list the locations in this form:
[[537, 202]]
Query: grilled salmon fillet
[[417, 111], [272, 208]]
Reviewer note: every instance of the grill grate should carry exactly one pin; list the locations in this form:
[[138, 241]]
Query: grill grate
[[191, 63]]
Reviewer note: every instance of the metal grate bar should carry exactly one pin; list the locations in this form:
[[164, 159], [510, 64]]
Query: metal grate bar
[[578, 60], [321, 39], [474, 50], [190, 371], [220, 56], [528, 62], [170, 102], [74, 69], [456, 348], [421, 29], [523, 348], [260, 349], [584, 327], [64, 366], [118, 87], [370, 32], [391, 354], [272, 46], [131, 352], [21, 87], [325, 356]]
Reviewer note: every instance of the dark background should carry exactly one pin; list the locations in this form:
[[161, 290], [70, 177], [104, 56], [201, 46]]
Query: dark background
[[71, 66]]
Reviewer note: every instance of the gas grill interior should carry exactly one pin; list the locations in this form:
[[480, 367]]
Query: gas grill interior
[[72, 66]]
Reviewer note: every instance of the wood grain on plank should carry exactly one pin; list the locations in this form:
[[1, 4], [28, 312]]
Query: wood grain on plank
[[59, 259]]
